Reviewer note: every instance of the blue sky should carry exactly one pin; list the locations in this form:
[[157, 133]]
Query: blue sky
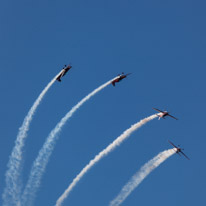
[[162, 43]]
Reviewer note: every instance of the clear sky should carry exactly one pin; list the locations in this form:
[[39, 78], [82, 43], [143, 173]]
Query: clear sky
[[162, 43]]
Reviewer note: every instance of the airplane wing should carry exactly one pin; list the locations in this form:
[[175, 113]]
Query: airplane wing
[[172, 117], [157, 110], [185, 155], [113, 83], [172, 144]]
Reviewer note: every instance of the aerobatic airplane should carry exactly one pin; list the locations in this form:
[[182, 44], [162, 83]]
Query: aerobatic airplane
[[179, 150], [164, 114], [119, 78], [64, 71]]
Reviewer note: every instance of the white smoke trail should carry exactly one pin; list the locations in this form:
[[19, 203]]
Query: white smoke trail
[[141, 175], [42, 159], [103, 153], [13, 187]]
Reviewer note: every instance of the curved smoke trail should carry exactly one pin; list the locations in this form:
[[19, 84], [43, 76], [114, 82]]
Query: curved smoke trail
[[103, 153], [42, 159], [13, 187], [141, 175]]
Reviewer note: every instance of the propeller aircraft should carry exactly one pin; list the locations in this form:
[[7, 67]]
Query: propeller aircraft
[[64, 71]]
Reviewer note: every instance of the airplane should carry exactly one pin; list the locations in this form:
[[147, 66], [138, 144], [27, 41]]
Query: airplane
[[119, 78], [64, 71], [164, 114], [179, 150]]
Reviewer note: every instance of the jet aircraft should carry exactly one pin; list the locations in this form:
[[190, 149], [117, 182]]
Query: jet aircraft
[[179, 150], [64, 71], [119, 78], [164, 114]]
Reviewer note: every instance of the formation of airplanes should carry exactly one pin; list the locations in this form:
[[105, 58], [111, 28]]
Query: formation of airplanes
[[66, 68], [120, 77]]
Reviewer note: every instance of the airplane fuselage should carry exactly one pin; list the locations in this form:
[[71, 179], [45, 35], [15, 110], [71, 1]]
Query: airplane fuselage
[[178, 150], [64, 71], [121, 77], [163, 114]]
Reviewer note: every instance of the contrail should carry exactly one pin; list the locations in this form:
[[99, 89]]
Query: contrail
[[140, 175], [12, 191], [42, 159], [103, 153]]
